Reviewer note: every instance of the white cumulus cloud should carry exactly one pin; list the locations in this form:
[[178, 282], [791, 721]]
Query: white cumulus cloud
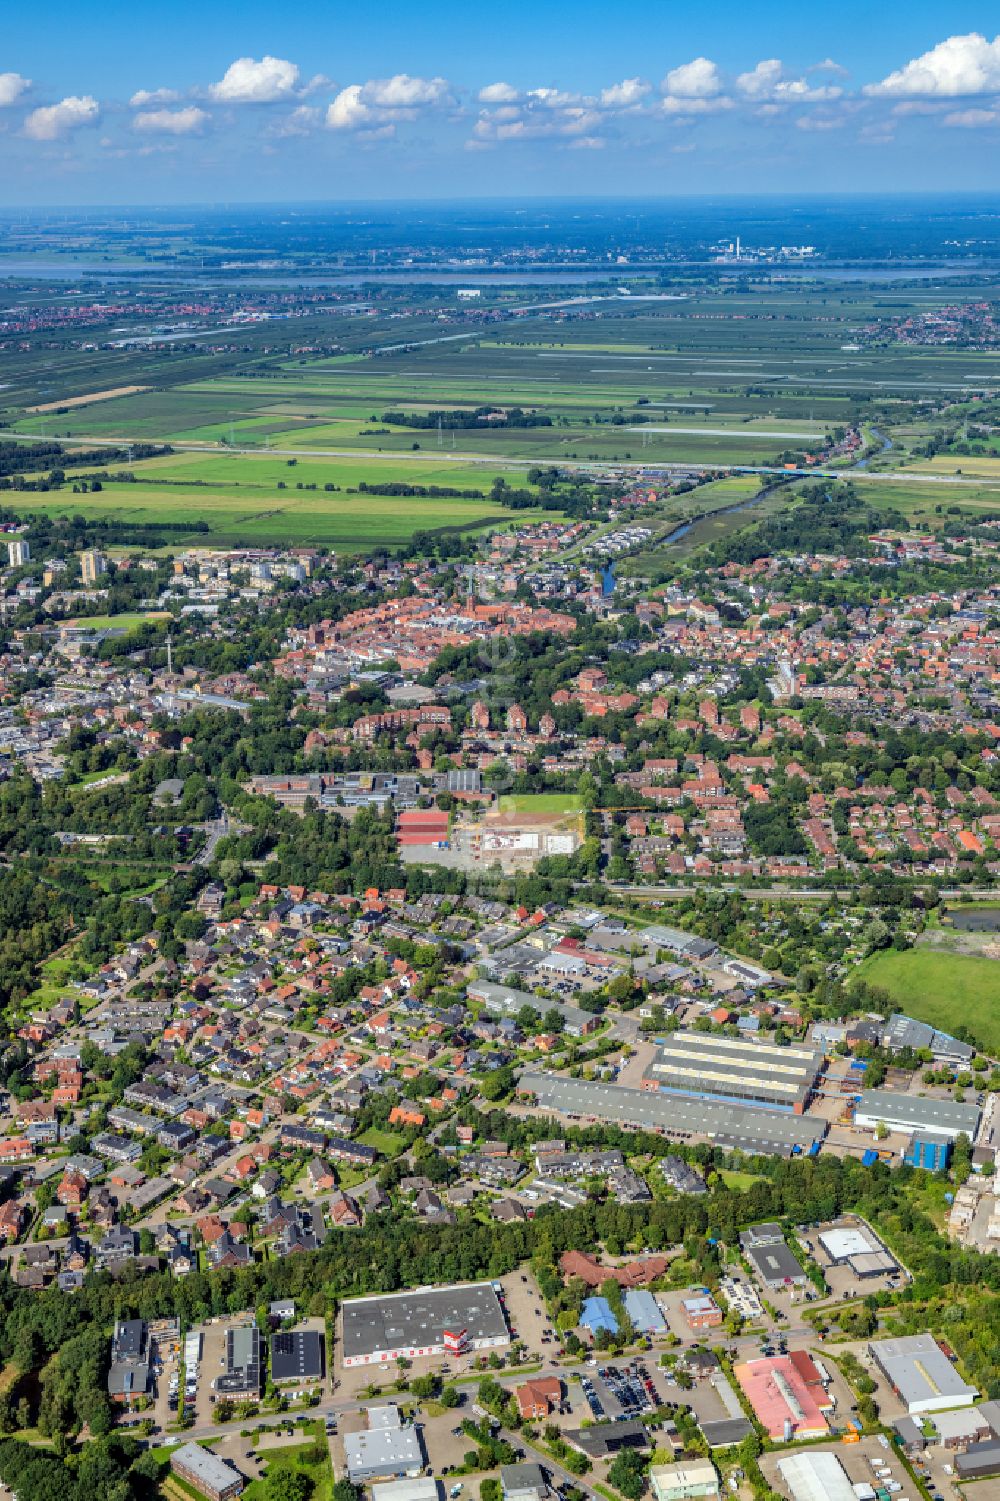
[[143, 98], [553, 98], [348, 111], [767, 82], [798, 91], [12, 86], [498, 93], [698, 79], [171, 122], [828, 65], [247, 81], [624, 95], [379, 103], [53, 120], [761, 81], [673, 105], [404, 92], [960, 65]]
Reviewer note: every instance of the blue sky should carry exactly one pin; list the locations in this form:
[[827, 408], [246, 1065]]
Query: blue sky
[[176, 101]]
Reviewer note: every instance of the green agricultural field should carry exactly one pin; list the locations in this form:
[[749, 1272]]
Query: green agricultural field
[[261, 472], [267, 517], [945, 990], [926, 503], [714, 377]]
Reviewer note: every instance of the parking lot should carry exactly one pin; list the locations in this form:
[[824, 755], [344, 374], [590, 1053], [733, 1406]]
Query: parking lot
[[209, 1365], [620, 1391], [444, 1442], [526, 1314], [672, 1307]]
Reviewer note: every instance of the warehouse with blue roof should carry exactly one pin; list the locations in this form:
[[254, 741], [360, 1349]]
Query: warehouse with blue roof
[[597, 1315]]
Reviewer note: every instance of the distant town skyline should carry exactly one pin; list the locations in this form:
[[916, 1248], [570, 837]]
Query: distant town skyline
[[247, 103]]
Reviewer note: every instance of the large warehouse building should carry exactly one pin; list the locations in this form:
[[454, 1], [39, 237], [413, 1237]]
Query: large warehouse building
[[921, 1374], [785, 1405], [816, 1476], [857, 1247], [741, 1128], [916, 1115], [712, 1067], [435, 1321]]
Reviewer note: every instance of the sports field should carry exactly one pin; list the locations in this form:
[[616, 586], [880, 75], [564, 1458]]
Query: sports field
[[127, 621], [539, 802], [946, 990]]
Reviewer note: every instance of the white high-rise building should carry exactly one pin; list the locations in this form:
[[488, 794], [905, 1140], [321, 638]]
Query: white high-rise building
[[18, 553]]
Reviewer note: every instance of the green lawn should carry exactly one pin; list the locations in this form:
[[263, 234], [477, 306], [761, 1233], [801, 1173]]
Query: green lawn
[[311, 1459], [945, 990], [740, 1181], [386, 1142]]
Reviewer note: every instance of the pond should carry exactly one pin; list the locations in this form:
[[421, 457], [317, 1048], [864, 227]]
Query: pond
[[976, 919]]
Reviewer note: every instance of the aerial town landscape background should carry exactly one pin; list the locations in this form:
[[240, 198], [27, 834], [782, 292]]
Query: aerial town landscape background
[[500, 765]]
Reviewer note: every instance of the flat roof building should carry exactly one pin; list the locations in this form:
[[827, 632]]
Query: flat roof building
[[297, 1355], [422, 1489], [504, 1000], [904, 1032], [702, 1311], [911, 1115], [921, 1374], [644, 1312], [524, 1482], [740, 1127], [723, 1433], [243, 1363], [978, 1461], [775, 1265], [206, 1473], [695, 1480], [856, 1247], [386, 1449], [431, 1321], [602, 1439], [783, 1403], [128, 1374], [712, 1067], [957, 1430], [816, 1476]]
